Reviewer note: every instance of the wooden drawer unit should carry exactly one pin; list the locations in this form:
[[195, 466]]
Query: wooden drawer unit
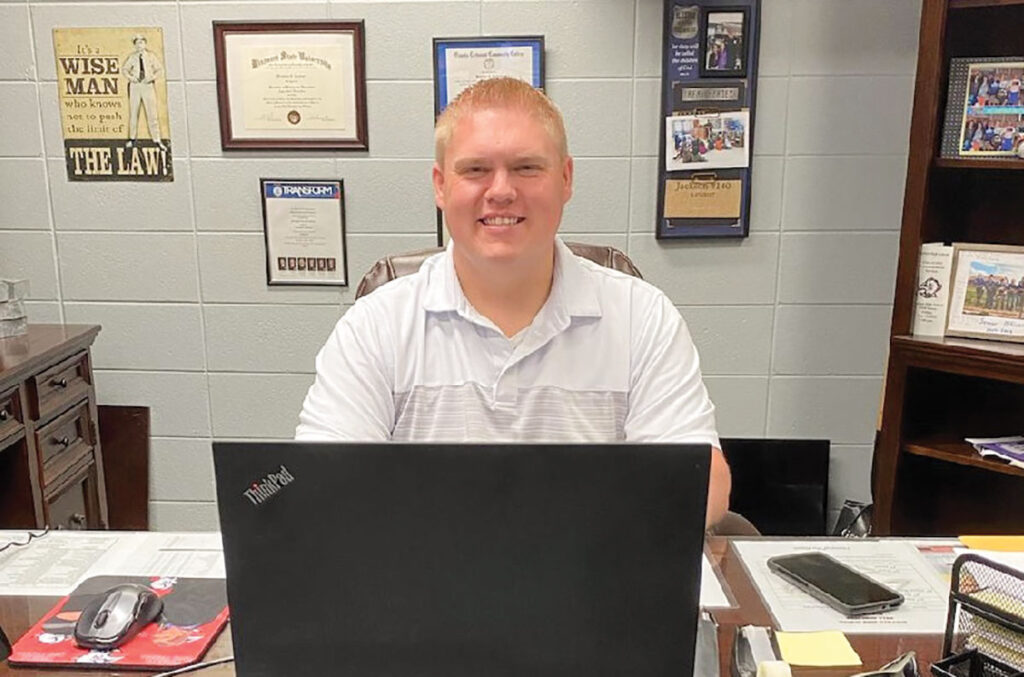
[[48, 438], [65, 440], [11, 419], [60, 385]]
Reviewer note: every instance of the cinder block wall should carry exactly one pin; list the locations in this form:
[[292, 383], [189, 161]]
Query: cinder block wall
[[791, 322]]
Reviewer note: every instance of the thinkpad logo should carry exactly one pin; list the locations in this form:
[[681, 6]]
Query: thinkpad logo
[[263, 490]]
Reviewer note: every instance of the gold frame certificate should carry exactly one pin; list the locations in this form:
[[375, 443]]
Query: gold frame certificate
[[291, 85], [304, 229]]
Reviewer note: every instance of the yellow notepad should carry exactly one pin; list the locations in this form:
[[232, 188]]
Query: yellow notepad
[[820, 649], [997, 543]]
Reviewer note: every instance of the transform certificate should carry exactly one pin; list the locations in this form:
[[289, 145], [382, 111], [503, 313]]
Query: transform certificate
[[305, 233], [298, 88]]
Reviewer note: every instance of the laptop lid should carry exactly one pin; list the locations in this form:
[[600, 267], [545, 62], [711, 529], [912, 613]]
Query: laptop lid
[[427, 559]]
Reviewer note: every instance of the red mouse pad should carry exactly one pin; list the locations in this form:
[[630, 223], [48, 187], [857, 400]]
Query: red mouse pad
[[195, 611]]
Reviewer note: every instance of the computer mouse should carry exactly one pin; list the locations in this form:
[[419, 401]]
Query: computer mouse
[[117, 615]]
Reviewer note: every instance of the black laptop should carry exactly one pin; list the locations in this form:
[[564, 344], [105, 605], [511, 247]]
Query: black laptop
[[416, 560]]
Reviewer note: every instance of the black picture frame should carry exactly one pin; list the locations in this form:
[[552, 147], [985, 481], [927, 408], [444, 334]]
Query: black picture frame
[[740, 51], [292, 261]]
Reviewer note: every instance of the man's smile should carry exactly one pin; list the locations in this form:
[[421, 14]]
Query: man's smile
[[501, 220]]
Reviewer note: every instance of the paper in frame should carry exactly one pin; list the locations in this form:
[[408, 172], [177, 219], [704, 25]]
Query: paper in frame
[[701, 197], [987, 299], [459, 62], [713, 140], [294, 85], [304, 231]]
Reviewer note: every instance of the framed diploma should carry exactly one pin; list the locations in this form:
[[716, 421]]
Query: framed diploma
[[459, 62], [291, 85], [304, 227]]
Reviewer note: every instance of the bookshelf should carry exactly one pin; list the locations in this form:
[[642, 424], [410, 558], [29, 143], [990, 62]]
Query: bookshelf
[[926, 479]]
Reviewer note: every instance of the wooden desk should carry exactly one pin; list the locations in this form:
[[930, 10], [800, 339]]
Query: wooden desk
[[51, 465], [17, 614]]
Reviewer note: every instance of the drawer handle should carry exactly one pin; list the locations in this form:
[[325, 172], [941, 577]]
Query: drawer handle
[[64, 441], [59, 383], [4, 415]]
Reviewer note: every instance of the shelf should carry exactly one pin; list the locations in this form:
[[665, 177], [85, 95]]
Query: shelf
[[959, 452], [973, 357], [971, 4], [991, 163]]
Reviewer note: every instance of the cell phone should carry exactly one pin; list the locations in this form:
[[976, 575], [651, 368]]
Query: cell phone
[[837, 585]]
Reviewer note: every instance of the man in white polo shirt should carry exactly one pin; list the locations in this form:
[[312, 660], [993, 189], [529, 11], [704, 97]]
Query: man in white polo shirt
[[507, 336]]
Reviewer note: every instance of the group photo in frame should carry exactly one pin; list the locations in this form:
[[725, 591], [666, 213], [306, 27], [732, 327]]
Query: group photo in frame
[[987, 299], [717, 140], [985, 108], [304, 231], [291, 85], [724, 36]]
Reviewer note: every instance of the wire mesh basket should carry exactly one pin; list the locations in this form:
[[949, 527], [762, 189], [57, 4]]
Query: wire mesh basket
[[985, 626]]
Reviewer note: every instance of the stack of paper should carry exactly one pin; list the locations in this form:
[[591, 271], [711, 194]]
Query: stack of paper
[[1009, 449]]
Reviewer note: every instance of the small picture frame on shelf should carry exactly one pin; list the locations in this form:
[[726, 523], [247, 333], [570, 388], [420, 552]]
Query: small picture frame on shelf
[[987, 299], [984, 108], [724, 38]]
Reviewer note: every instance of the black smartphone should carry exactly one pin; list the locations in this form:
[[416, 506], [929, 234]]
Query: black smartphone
[[832, 582]]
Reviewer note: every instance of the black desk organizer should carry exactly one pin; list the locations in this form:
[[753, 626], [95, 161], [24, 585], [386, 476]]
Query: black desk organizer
[[985, 626]]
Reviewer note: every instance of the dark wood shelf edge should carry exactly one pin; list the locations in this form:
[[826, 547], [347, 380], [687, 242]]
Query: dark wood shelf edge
[[972, 4], [963, 163], [960, 453], [998, 360]]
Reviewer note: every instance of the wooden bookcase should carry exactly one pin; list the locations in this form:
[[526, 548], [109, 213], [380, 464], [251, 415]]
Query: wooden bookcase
[[927, 480]]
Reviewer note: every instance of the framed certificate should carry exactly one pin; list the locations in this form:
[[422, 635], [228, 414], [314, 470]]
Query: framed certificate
[[291, 85], [304, 227], [459, 62]]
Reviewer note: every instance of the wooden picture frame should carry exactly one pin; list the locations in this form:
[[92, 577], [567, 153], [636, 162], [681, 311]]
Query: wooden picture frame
[[987, 292], [298, 85]]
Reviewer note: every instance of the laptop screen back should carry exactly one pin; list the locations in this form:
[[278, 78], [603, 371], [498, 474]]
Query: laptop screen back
[[454, 560]]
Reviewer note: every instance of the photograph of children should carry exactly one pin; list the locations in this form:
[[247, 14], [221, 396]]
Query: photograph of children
[[310, 263], [282, 263], [725, 44], [330, 263], [995, 85], [706, 141], [988, 293], [291, 263], [302, 263], [321, 263], [992, 134]]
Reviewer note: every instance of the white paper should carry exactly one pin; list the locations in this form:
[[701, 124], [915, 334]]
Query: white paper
[[54, 564], [712, 595], [897, 564], [932, 298]]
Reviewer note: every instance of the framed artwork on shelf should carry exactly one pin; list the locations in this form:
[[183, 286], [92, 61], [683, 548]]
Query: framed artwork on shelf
[[987, 299], [291, 85], [984, 108]]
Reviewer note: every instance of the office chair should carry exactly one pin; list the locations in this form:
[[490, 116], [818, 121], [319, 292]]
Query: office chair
[[5, 646], [399, 265]]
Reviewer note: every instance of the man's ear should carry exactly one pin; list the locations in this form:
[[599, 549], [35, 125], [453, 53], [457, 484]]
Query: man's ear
[[438, 177], [567, 170]]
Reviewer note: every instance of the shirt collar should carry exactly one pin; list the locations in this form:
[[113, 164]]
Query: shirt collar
[[572, 290]]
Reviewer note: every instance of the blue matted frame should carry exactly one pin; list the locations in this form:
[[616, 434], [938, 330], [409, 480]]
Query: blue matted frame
[[682, 69]]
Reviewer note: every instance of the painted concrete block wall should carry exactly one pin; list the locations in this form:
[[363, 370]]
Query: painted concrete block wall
[[791, 322]]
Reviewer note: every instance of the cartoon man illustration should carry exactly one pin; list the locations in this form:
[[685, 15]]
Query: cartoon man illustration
[[142, 68]]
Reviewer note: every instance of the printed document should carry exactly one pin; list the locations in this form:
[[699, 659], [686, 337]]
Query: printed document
[[54, 564], [895, 563]]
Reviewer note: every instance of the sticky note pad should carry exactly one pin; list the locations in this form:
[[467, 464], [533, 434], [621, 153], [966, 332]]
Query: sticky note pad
[[821, 649], [1000, 543]]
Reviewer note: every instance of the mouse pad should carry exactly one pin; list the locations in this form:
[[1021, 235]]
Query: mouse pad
[[195, 611]]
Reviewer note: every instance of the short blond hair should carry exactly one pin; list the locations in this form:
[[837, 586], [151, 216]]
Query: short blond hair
[[501, 92]]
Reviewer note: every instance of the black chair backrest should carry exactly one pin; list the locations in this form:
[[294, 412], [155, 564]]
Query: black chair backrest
[[781, 486]]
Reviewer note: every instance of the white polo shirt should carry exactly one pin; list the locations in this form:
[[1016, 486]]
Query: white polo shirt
[[608, 358]]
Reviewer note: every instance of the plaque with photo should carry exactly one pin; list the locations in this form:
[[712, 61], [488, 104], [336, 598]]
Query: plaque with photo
[[709, 77], [984, 108]]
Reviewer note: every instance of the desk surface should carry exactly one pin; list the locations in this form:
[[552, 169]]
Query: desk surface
[[17, 614]]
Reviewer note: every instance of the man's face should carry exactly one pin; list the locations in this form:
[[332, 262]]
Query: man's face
[[502, 188], [140, 45]]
